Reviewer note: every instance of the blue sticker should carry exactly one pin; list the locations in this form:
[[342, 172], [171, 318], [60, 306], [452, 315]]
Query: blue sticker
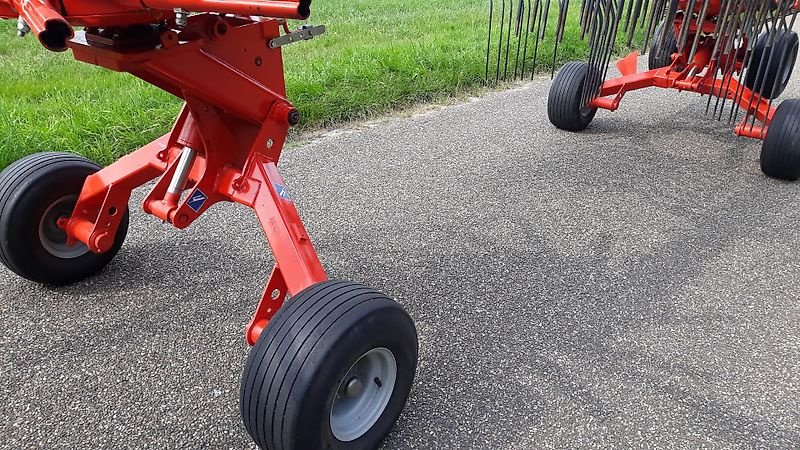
[[282, 192], [197, 200]]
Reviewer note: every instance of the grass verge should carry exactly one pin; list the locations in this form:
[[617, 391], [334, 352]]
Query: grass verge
[[377, 55]]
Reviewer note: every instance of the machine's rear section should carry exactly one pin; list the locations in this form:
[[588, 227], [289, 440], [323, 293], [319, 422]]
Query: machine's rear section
[[740, 54]]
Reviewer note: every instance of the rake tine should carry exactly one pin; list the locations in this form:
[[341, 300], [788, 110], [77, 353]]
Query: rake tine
[[700, 20], [784, 61], [563, 7], [545, 17], [620, 10], [760, 82], [536, 20], [525, 51], [508, 39], [668, 21], [757, 25], [593, 38], [540, 34], [644, 16], [628, 15], [735, 31], [500, 41], [687, 22], [489, 40], [606, 33], [637, 10], [721, 25], [518, 23], [655, 13], [613, 23], [759, 22], [771, 45], [586, 20], [750, 27]]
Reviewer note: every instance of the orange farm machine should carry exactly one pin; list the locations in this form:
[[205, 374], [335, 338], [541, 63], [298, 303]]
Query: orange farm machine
[[332, 362], [740, 54]]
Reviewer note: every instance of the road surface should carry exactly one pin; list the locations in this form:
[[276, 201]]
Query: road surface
[[635, 285]]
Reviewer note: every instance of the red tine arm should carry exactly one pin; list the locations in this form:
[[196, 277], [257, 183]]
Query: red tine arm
[[50, 27], [265, 8]]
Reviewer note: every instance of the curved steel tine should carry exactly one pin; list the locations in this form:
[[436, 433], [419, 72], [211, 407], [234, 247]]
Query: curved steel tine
[[508, 38], [500, 40], [518, 33], [527, 35], [757, 21], [489, 39], [563, 9], [537, 11], [700, 20]]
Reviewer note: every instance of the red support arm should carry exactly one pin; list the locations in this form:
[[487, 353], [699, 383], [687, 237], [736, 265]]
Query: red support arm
[[50, 27], [286, 9], [6, 11], [225, 144]]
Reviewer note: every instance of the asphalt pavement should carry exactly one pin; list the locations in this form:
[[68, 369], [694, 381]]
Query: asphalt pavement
[[635, 285]]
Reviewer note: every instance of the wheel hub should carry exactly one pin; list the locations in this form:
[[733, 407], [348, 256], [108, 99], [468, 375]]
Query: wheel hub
[[353, 387], [52, 235], [363, 394]]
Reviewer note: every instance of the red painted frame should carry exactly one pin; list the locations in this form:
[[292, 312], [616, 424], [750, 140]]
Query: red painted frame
[[698, 75], [236, 117]]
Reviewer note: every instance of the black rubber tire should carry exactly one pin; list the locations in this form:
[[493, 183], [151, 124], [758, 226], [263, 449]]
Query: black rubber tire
[[564, 106], [780, 153], [27, 188], [294, 370], [772, 81], [657, 59]]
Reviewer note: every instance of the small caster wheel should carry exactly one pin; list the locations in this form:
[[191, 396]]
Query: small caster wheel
[[661, 53], [565, 106], [35, 192], [332, 370], [780, 153], [771, 67]]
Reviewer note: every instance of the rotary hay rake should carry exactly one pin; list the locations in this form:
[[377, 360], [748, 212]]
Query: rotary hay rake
[[738, 53], [333, 367]]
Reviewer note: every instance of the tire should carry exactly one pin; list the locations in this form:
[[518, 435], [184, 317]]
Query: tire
[[564, 106], [770, 81], [780, 153], [661, 55], [296, 386], [34, 192]]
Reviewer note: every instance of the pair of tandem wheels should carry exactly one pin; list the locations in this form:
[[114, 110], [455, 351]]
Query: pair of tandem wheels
[[780, 152], [333, 368]]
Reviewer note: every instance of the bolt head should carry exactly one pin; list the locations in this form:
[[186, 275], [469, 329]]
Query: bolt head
[[102, 242], [353, 387], [294, 117]]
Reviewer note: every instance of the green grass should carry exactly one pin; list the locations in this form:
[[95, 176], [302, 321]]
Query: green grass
[[377, 55]]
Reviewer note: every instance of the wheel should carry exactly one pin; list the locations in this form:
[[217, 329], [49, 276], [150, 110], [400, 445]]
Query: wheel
[[661, 53], [35, 192], [565, 106], [332, 370], [780, 153], [771, 67]]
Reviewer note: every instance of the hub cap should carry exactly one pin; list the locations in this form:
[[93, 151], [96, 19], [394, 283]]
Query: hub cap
[[363, 394], [52, 237]]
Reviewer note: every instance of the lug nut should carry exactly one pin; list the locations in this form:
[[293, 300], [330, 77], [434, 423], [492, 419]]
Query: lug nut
[[294, 117]]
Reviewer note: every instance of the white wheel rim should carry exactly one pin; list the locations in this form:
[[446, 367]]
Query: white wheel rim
[[362, 396]]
